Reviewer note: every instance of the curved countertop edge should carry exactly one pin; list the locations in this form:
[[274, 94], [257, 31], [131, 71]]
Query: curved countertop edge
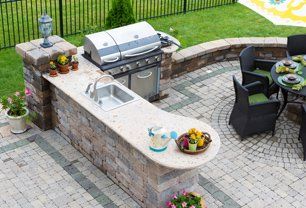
[[134, 119]]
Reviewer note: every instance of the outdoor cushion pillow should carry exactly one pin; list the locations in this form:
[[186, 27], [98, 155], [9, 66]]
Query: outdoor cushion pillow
[[257, 98], [265, 73]]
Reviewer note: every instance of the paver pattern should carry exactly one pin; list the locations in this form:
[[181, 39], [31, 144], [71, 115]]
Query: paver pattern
[[41, 169], [260, 171]]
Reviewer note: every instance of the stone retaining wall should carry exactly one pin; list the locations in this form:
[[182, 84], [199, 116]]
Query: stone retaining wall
[[198, 56], [35, 64], [147, 182]]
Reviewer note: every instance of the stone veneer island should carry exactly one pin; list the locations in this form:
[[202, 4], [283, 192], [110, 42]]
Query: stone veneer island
[[115, 141]]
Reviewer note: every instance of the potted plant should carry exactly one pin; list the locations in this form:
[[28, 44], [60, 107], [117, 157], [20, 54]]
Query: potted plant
[[193, 136], [75, 63], [53, 68], [63, 64], [186, 200], [16, 111]]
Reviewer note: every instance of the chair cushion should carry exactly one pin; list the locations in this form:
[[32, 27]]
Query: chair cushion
[[265, 73], [257, 98]]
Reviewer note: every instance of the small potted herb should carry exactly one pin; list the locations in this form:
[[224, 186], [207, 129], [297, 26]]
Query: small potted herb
[[16, 111], [63, 64], [75, 63], [193, 136], [53, 69], [186, 200]]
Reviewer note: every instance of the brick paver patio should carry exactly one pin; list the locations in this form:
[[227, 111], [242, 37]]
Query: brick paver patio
[[41, 169]]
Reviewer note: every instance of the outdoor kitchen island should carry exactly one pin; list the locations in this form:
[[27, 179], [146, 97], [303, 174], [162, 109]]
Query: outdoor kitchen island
[[116, 141]]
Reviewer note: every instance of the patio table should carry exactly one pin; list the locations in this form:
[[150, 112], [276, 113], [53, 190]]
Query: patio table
[[286, 89]]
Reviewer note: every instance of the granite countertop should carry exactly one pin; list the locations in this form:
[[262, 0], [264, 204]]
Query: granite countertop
[[131, 121]]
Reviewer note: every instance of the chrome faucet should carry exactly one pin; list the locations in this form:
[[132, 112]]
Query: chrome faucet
[[93, 94]]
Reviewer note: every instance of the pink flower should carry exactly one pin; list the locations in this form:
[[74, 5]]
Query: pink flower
[[192, 206], [173, 206], [28, 92], [185, 193], [174, 196], [168, 203], [184, 204]]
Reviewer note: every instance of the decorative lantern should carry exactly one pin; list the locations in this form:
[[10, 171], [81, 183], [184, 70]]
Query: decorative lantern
[[45, 28]]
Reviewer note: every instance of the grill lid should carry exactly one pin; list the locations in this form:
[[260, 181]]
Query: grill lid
[[101, 48], [121, 43], [135, 39]]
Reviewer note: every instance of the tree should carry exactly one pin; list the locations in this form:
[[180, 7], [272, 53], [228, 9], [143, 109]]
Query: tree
[[121, 14]]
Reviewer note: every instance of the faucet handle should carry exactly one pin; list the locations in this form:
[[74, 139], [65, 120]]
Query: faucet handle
[[88, 88]]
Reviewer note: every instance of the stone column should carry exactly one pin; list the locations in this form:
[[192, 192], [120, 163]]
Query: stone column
[[165, 74], [35, 63]]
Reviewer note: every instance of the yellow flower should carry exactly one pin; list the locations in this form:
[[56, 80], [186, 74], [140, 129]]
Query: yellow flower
[[199, 134], [193, 136]]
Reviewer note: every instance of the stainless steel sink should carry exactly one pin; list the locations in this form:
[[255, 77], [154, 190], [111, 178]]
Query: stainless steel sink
[[113, 95]]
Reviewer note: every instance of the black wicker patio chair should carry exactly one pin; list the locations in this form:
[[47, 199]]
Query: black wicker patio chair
[[253, 111], [254, 69], [302, 135], [296, 45]]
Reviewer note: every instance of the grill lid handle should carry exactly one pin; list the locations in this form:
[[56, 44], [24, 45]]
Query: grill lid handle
[[142, 53], [111, 60]]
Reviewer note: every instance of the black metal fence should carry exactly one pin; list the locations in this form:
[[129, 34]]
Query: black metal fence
[[19, 18]]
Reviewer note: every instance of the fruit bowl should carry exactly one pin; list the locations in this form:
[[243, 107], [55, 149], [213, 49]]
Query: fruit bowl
[[181, 146]]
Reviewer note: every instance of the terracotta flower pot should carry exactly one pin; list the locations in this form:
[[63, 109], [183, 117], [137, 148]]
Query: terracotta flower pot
[[18, 123], [75, 65], [202, 202], [53, 73], [63, 69]]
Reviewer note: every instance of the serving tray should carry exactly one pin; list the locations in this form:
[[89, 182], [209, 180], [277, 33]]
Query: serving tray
[[199, 150]]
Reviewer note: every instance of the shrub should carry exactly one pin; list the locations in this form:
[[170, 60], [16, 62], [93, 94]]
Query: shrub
[[121, 14]]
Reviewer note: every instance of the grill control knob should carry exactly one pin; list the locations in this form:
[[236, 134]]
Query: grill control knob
[[122, 69], [147, 61], [128, 67], [138, 63], [156, 58], [110, 73]]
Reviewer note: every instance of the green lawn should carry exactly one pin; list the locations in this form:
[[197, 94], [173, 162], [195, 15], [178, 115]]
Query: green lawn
[[193, 28]]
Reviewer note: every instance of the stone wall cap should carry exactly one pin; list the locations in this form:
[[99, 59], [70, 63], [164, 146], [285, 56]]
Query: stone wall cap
[[30, 50], [215, 45], [67, 48], [177, 57], [37, 57], [23, 48], [223, 44]]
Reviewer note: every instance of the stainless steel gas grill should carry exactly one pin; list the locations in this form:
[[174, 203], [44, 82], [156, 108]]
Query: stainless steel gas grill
[[131, 54]]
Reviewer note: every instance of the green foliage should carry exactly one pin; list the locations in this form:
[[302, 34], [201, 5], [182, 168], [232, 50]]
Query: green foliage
[[121, 14], [14, 103], [184, 200]]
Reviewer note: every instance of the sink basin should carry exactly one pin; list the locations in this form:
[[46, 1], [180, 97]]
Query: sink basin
[[113, 95]]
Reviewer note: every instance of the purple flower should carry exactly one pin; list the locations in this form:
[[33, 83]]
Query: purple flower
[[173, 206]]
